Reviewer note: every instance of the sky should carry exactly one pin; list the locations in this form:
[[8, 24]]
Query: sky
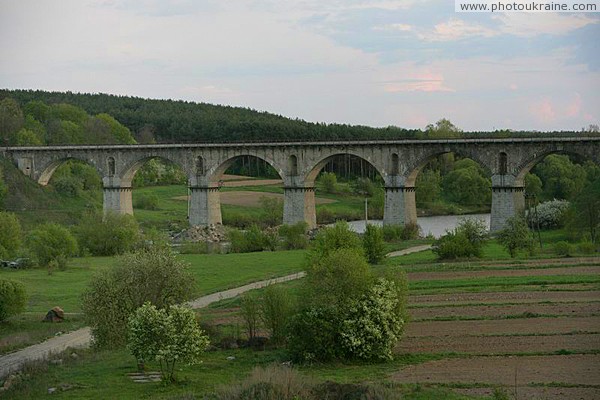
[[406, 63]]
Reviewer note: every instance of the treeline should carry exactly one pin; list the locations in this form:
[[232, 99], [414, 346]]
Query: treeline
[[169, 121]]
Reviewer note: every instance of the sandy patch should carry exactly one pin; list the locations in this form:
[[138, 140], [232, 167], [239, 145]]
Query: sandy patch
[[247, 198]]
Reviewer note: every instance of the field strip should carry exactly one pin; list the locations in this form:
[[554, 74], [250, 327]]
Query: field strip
[[500, 311], [504, 326], [425, 276], [537, 392], [508, 371], [500, 297], [486, 345]]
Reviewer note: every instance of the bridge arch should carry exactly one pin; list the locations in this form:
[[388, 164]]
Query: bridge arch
[[312, 171], [530, 162], [218, 169], [129, 171], [50, 168], [417, 166]]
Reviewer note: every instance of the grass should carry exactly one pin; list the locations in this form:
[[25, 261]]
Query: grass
[[213, 272]]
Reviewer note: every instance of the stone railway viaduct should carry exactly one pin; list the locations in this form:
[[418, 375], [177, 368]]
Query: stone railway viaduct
[[506, 160]]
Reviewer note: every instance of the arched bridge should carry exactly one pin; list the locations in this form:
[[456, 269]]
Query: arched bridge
[[507, 161]]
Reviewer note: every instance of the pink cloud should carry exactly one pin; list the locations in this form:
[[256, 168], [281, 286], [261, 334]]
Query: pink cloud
[[422, 82], [574, 108], [543, 111]]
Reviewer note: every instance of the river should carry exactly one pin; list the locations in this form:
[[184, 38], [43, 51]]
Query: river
[[436, 225]]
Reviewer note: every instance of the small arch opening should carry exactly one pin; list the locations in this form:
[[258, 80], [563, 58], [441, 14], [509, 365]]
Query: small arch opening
[[395, 170], [502, 163], [111, 166], [293, 165], [199, 166]]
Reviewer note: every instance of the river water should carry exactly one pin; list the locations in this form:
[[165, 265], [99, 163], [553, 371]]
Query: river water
[[436, 225]]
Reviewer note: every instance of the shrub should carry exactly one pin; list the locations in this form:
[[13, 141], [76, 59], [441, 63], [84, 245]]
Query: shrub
[[276, 308], [13, 298], [373, 244], [515, 236], [393, 233], [10, 235], [587, 247], [328, 182], [67, 185], [294, 236], [269, 383], [563, 248], [410, 231], [549, 214], [271, 211], [166, 336], [314, 334], [250, 309], [373, 325], [325, 215], [466, 240], [194, 248], [52, 243], [153, 275], [333, 238], [109, 234], [147, 201], [252, 240]]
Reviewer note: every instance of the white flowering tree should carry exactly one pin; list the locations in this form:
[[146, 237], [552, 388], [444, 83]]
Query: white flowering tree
[[167, 336]]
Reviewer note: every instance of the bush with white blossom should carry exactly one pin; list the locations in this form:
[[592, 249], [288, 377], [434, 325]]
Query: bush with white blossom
[[550, 214]]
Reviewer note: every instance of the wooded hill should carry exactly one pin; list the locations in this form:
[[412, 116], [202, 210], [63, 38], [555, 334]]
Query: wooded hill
[[170, 121]]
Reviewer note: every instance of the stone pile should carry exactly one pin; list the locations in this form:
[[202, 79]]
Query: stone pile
[[208, 234]]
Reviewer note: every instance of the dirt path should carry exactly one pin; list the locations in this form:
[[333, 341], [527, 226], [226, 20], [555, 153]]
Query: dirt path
[[415, 249], [82, 338]]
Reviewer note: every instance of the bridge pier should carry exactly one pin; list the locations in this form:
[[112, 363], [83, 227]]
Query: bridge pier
[[299, 206], [507, 201], [204, 206], [117, 199], [400, 207]]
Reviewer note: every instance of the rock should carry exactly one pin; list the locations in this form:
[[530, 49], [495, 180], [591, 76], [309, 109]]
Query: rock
[[231, 358], [11, 380], [56, 362], [51, 390], [74, 356], [55, 315]]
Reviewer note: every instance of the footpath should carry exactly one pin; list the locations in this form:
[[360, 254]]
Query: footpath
[[81, 338]]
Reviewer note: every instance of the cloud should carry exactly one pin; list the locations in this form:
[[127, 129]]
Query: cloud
[[394, 28], [574, 108], [419, 82], [534, 24], [456, 29]]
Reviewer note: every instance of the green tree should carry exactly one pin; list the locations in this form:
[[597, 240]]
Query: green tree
[[26, 137], [443, 129], [120, 133], [585, 212], [13, 298], [466, 240], [334, 238], [373, 244], [168, 336], [467, 184], [328, 182], [562, 179], [152, 275], [52, 243], [3, 189], [11, 120], [533, 185], [516, 236], [10, 235], [108, 234], [428, 187], [276, 308]]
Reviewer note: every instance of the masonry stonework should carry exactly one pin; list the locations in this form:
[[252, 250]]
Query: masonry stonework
[[506, 160]]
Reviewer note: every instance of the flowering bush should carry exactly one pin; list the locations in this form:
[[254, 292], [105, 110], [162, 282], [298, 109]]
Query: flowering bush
[[549, 214], [372, 325], [166, 336]]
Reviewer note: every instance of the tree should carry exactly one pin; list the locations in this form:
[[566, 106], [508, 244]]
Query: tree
[[168, 336], [11, 120], [52, 243], [467, 184], [3, 189], [515, 236], [333, 238], [152, 275], [374, 244], [275, 311], [562, 178], [428, 187], [108, 234], [585, 212], [443, 129], [466, 240], [120, 133], [533, 185], [10, 235], [13, 298], [328, 181]]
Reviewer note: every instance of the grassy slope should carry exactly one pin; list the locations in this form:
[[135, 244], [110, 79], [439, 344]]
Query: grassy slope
[[64, 288]]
